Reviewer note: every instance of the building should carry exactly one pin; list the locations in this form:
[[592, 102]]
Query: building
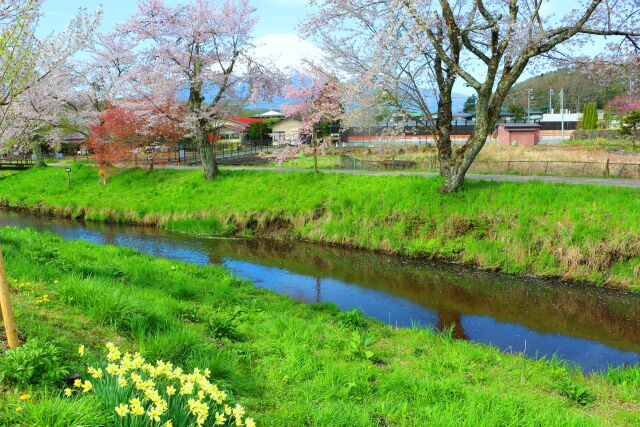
[[287, 132], [519, 134], [234, 130]]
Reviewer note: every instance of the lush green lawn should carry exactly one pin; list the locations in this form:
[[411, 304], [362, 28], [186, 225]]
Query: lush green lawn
[[584, 232], [289, 364]]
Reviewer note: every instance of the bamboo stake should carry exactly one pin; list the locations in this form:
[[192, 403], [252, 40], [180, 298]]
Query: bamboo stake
[[7, 309]]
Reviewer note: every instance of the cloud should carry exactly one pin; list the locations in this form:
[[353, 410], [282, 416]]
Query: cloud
[[287, 51], [290, 3]]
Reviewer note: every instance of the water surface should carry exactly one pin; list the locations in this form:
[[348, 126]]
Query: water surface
[[590, 327]]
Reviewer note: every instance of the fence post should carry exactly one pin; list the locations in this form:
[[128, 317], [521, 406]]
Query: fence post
[[606, 168], [546, 167], [6, 307]]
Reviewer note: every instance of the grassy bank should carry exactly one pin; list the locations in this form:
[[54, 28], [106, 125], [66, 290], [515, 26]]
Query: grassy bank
[[580, 232], [289, 364]]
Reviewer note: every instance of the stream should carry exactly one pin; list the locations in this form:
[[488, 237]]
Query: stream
[[589, 327]]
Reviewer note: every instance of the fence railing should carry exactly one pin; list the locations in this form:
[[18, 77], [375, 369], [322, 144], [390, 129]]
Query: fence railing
[[16, 162], [191, 155], [524, 167]]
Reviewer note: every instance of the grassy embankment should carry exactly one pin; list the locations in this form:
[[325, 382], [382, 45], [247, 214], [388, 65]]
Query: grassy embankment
[[288, 363], [581, 232]]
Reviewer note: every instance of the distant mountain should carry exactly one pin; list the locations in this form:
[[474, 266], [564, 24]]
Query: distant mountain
[[578, 90]]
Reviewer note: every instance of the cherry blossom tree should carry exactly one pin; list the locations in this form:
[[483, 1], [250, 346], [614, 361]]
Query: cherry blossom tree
[[199, 49], [122, 135], [316, 101], [400, 46], [625, 104], [35, 112]]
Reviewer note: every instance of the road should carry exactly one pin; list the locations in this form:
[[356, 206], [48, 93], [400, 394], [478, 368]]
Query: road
[[610, 182]]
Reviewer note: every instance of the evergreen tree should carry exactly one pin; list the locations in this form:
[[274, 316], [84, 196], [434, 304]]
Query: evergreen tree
[[470, 104]]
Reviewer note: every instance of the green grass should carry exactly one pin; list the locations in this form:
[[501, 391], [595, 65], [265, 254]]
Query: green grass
[[575, 231], [290, 364]]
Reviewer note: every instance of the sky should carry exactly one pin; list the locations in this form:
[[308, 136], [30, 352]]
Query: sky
[[275, 34]]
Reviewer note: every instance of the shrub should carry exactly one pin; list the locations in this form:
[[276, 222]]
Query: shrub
[[33, 363], [143, 394], [353, 319], [360, 346], [573, 391], [223, 327]]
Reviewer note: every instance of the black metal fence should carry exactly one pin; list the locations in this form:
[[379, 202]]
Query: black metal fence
[[191, 154]]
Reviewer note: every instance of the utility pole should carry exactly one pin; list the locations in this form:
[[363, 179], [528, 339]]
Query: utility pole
[[551, 93], [562, 111], [529, 99], [7, 308]]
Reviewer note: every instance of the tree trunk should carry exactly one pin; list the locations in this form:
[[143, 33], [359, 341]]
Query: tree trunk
[[39, 156], [459, 163], [208, 158], [315, 159]]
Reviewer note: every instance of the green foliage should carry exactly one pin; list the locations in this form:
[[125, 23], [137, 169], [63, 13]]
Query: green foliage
[[470, 104], [631, 123], [624, 376], [353, 319], [35, 362], [295, 365], [359, 347], [521, 230], [590, 116], [222, 327], [51, 409], [518, 111], [573, 391], [260, 131]]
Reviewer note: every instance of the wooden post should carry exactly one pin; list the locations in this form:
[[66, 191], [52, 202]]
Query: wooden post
[[7, 308]]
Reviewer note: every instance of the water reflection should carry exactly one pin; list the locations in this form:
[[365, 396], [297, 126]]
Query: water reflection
[[591, 327]]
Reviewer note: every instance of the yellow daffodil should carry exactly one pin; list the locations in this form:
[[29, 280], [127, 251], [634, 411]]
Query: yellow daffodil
[[135, 402], [154, 414], [81, 350], [238, 411], [137, 410], [187, 388], [122, 409], [19, 408], [171, 390], [168, 424], [220, 419], [77, 382], [249, 422], [122, 382], [95, 373], [43, 299], [68, 392], [25, 396], [86, 387], [227, 409]]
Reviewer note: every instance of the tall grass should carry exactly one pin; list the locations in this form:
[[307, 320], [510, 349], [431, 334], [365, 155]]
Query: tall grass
[[290, 364], [581, 232]]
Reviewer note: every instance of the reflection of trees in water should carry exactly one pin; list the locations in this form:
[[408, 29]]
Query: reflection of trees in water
[[452, 319], [587, 312], [318, 289]]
